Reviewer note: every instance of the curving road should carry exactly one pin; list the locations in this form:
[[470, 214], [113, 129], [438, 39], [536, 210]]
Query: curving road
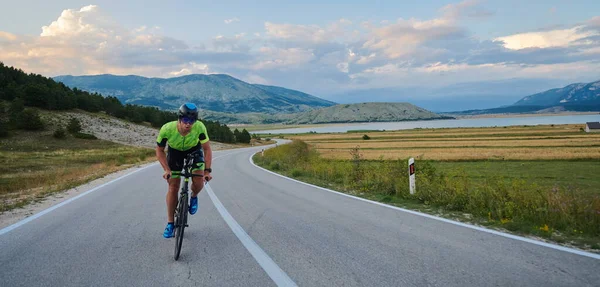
[[255, 228]]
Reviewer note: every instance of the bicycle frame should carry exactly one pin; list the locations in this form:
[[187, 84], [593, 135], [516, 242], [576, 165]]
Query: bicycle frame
[[181, 211]]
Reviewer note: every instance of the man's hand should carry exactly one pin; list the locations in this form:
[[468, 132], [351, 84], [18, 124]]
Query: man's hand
[[207, 176], [167, 174]]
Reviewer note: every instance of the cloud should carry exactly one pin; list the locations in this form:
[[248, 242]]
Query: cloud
[[278, 58], [229, 21], [255, 79], [308, 33], [87, 41], [191, 68], [231, 44], [546, 39], [340, 55], [7, 36], [468, 8]]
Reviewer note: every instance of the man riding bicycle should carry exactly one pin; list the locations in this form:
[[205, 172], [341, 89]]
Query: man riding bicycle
[[185, 135]]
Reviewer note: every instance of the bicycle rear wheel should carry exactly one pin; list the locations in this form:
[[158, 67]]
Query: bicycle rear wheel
[[180, 223]]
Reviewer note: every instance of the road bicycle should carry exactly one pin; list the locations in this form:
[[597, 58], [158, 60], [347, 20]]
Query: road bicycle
[[181, 212]]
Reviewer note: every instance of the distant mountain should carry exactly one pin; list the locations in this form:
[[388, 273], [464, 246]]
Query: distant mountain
[[571, 94], [344, 113], [365, 112], [217, 92], [454, 97], [573, 97]]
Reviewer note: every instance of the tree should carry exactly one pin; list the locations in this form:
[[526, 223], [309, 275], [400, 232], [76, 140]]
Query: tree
[[30, 120], [245, 136], [14, 111], [74, 126], [236, 135]]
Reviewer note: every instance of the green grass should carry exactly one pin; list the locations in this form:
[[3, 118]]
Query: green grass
[[580, 175], [525, 197]]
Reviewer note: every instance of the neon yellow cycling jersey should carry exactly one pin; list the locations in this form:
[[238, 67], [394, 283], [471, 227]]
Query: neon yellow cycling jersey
[[169, 133]]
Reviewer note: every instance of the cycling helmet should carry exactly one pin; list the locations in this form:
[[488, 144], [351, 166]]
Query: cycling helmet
[[188, 110]]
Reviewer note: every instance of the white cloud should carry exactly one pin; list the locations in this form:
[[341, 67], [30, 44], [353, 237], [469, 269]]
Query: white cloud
[[256, 79], [191, 68], [339, 55], [342, 67], [273, 58], [7, 36], [546, 39], [406, 36], [229, 21], [308, 33]]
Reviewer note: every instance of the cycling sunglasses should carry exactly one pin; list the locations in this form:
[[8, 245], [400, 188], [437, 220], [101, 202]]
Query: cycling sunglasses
[[187, 120]]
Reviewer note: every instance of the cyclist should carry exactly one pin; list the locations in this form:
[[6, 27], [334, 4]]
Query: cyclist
[[185, 135]]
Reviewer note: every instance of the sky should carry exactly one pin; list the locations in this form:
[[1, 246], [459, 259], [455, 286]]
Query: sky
[[325, 48]]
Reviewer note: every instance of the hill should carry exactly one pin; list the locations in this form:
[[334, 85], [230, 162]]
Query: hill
[[365, 112], [217, 92], [574, 94], [580, 97], [345, 113]]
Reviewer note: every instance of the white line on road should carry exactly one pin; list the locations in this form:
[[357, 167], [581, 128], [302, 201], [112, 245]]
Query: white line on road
[[271, 268], [553, 246]]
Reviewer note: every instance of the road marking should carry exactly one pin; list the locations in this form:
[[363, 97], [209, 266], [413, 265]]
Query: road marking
[[268, 265], [37, 215], [540, 243]]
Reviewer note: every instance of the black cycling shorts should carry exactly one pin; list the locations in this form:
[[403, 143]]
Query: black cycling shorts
[[175, 160]]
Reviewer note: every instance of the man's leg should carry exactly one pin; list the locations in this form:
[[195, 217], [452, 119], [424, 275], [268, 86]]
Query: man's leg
[[172, 197], [197, 182], [197, 185]]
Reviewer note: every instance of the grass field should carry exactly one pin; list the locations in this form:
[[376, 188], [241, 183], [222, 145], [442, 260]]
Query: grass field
[[558, 142], [532, 180], [33, 165]]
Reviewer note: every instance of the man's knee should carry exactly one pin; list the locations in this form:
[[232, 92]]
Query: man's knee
[[173, 185], [198, 183]]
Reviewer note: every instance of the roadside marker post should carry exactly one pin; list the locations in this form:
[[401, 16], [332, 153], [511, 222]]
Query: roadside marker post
[[411, 174]]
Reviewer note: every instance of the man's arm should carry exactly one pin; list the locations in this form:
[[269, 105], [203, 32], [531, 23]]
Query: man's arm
[[207, 154], [162, 158]]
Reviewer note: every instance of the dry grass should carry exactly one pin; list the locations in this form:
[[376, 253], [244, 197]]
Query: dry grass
[[450, 132], [470, 153], [558, 142], [581, 142], [32, 166]]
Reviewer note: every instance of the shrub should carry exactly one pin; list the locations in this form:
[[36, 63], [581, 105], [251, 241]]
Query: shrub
[[60, 133], [30, 119], [366, 137], [74, 126], [85, 136]]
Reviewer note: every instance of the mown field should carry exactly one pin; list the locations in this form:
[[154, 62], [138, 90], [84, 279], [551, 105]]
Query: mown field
[[33, 164], [532, 180], [559, 142]]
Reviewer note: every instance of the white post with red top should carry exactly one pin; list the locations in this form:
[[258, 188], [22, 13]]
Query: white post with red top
[[411, 174]]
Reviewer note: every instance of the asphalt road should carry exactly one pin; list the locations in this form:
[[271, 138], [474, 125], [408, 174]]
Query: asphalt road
[[255, 228]]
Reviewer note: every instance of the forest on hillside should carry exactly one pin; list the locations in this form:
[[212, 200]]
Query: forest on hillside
[[21, 92]]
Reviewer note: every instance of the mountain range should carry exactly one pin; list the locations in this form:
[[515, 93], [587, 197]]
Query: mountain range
[[573, 97], [229, 100], [216, 92]]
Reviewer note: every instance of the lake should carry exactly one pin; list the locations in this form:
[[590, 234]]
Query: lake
[[466, 123]]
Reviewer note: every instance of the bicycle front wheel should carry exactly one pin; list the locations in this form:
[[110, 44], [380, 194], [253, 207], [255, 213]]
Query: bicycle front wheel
[[180, 222]]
